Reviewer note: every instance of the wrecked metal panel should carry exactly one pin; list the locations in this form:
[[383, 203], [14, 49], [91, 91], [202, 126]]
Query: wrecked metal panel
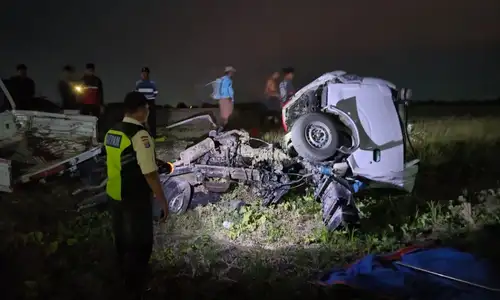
[[245, 174], [233, 173], [194, 152], [403, 180], [43, 169], [38, 154], [54, 136], [314, 85], [56, 125], [7, 125], [55, 128], [30, 113], [5, 177], [47, 142], [263, 154], [34, 149]]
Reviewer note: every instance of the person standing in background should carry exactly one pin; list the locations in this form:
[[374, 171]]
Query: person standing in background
[[286, 87], [65, 88], [272, 95], [92, 98], [147, 87], [225, 96], [22, 88]]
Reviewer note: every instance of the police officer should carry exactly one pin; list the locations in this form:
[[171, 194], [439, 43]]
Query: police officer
[[132, 176], [147, 87]]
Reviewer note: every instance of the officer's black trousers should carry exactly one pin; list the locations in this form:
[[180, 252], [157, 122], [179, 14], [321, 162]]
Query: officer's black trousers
[[133, 231], [152, 118]]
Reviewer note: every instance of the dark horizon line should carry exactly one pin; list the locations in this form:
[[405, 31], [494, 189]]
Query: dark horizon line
[[413, 102]]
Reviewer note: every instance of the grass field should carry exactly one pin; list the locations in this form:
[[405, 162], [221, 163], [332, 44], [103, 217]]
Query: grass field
[[216, 252]]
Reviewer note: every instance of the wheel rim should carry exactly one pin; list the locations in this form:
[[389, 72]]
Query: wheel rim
[[175, 204], [178, 193], [318, 135]]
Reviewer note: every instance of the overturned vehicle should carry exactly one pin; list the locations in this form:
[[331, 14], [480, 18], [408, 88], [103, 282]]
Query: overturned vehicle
[[344, 133]]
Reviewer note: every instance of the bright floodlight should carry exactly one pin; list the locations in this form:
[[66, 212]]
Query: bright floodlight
[[78, 89]]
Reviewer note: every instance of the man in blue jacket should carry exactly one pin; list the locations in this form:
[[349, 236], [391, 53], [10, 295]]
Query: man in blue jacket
[[148, 88], [224, 94]]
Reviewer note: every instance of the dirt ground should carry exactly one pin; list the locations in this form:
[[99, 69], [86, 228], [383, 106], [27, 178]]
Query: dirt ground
[[51, 251]]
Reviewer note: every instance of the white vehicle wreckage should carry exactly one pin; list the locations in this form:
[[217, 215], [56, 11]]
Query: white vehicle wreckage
[[350, 132], [35, 145], [345, 133]]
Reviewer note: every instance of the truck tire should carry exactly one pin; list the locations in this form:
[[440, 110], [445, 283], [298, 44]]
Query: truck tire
[[315, 137], [179, 194]]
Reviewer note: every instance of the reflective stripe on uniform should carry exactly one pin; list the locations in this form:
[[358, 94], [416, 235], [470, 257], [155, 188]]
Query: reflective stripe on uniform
[[116, 142]]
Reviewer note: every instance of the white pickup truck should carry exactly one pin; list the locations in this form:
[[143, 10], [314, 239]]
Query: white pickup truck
[[35, 145]]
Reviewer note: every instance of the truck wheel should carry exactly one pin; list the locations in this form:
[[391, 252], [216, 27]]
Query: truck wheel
[[179, 194], [315, 137]]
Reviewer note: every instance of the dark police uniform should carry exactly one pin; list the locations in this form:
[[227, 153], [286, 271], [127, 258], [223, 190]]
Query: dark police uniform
[[148, 88], [130, 154]]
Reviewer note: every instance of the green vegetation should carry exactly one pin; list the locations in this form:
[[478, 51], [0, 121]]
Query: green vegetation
[[49, 250]]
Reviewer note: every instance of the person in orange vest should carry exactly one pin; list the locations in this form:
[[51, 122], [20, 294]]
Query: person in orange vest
[[92, 98], [272, 100], [286, 87]]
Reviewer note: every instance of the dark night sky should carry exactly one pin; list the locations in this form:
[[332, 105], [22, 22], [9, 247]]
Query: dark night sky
[[443, 49]]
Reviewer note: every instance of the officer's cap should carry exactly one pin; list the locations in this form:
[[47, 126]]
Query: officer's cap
[[288, 70], [68, 68], [21, 67], [228, 69], [134, 101]]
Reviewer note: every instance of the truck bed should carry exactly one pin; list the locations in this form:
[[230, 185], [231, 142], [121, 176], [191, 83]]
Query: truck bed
[[43, 141], [35, 153]]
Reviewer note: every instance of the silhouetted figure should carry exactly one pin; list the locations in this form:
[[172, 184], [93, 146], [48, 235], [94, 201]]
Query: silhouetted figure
[[92, 98], [22, 88], [286, 86], [147, 87], [224, 94], [272, 100], [66, 89]]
